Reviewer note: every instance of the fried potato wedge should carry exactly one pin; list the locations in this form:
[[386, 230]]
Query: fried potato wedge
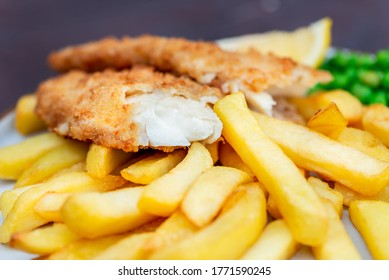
[[363, 141], [163, 196], [209, 192], [376, 120], [328, 121], [86, 249], [101, 161], [50, 204], [350, 106], [275, 243], [350, 195], [44, 240], [176, 228], [213, 150], [325, 192], [95, 214], [334, 160], [26, 120], [338, 244], [128, 248], [300, 206], [57, 159], [152, 167], [228, 157], [16, 158], [371, 220], [272, 208], [22, 216], [230, 235]]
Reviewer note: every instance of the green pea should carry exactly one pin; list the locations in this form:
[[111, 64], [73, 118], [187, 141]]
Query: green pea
[[339, 80], [370, 77], [364, 60], [378, 97], [383, 58], [362, 92], [343, 59], [385, 80]]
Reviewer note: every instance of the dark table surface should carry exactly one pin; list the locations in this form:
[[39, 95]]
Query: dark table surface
[[30, 29]]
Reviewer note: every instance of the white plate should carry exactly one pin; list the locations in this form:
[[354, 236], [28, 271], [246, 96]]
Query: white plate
[[8, 136]]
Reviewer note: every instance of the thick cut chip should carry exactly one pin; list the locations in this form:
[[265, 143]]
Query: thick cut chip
[[313, 151], [94, 214], [44, 240], [128, 248], [363, 141], [338, 244], [163, 196], [49, 205], [228, 157], [230, 235], [16, 158], [328, 121], [275, 243], [208, 193], [350, 195], [371, 220], [8, 198], [101, 160], [376, 120], [22, 216], [176, 228], [300, 206], [55, 160], [152, 167], [26, 120]]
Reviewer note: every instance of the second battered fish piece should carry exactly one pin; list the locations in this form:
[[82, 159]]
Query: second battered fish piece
[[130, 109], [255, 74]]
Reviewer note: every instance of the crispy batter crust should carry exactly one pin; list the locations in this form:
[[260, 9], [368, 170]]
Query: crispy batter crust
[[93, 107], [203, 61]]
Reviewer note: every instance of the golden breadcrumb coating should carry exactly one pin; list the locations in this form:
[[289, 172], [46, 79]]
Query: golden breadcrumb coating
[[94, 107], [204, 62]]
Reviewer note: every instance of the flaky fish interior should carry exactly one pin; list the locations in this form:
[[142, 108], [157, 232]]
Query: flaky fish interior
[[130, 109], [259, 76]]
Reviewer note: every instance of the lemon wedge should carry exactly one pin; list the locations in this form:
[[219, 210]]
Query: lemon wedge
[[307, 45]]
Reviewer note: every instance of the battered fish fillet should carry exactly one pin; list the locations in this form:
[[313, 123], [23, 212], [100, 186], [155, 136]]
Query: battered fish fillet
[[255, 74], [130, 109]]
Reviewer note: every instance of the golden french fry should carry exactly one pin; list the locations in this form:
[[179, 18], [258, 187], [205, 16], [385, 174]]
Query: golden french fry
[[208, 193], [356, 170], [324, 191], [230, 235], [338, 245], [59, 158], [86, 249], [363, 141], [272, 208], [44, 240], [300, 206], [349, 105], [163, 196], [128, 248], [22, 216], [328, 121], [95, 214], [350, 195], [8, 198], [275, 243], [50, 204], [228, 157], [101, 161], [176, 228], [152, 167], [26, 120], [213, 150], [371, 220], [376, 121], [16, 158]]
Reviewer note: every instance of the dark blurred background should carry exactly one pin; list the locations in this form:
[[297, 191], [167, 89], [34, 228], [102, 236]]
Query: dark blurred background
[[30, 29]]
